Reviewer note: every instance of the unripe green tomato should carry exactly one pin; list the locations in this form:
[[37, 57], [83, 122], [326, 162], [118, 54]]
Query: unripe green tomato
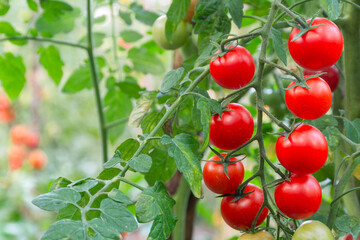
[[263, 235], [178, 39], [313, 230]]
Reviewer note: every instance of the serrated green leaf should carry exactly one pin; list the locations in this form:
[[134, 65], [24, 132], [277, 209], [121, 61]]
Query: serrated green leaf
[[145, 61], [130, 87], [278, 45], [155, 204], [348, 224], [210, 18], [324, 122], [128, 148], [126, 16], [161, 163], [115, 215], [32, 5], [69, 212], [143, 15], [184, 151], [118, 196], [215, 107], [51, 60], [352, 129], [333, 137], [4, 7], [171, 79], [235, 8], [10, 31], [176, 13], [103, 229], [141, 163], [98, 38], [83, 184], [204, 106], [12, 74], [333, 9], [114, 160], [109, 174], [56, 199], [130, 36], [65, 229], [60, 182], [79, 80], [142, 107], [117, 106]]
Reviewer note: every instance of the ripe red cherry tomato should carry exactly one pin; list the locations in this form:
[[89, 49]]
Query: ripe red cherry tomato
[[233, 129], [304, 152], [215, 178], [300, 198], [233, 70], [319, 48], [331, 76], [241, 213], [310, 103]]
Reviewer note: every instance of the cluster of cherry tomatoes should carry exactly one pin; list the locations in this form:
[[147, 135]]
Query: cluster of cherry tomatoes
[[24, 140], [302, 152]]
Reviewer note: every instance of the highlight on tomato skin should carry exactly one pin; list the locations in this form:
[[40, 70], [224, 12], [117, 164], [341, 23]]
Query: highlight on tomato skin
[[233, 70], [331, 76], [319, 48], [233, 129], [215, 178], [304, 151], [300, 197], [310, 103], [241, 213]]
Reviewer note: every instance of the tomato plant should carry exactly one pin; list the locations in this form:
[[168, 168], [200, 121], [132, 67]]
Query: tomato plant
[[240, 214], [309, 103], [233, 128], [233, 70], [319, 48], [304, 151], [299, 198], [215, 178], [313, 230]]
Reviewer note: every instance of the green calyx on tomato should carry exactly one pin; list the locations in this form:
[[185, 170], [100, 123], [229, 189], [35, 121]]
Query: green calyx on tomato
[[313, 230], [178, 39]]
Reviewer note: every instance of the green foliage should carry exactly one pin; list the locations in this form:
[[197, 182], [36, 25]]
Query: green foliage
[[333, 9], [348, 224], [4, 7], [130, 36], [176, 13], [51, 60]]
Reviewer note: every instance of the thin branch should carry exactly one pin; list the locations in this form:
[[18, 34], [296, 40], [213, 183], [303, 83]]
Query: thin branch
[[351, 3], [275, 120], [115, 123], [236, 93], [291, 7], [249, 35], [263, 20], [292, 14], [343, 194], [131, 183], [70, 44], [282, 68]]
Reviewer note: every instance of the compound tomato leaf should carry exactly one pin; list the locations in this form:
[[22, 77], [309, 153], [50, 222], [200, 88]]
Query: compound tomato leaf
[[333, 9], [171, 79], [156, 204], [161, 163], [51, 60], [4, 7], [141, 163], [128, 148], [278, 45], [235, 8], [348, 224], [184, 151], [60, 182], [143, 15], [103, 229], [57, 199], [114, 160], [79, 80], [69, 212], [118, 196], [204, 106], [83, 184], [176, 13], [115, 215], [12, 74], [65, 229]]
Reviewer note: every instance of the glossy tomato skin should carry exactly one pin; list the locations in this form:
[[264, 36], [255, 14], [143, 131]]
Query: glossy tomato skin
[[178, 39], [313, 230], [233, 70], [241, 213], [304, 152], [319, 48], [331, 76], [215, 178], [233, 129], [262, 235], [310, 103], [300, 197]]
